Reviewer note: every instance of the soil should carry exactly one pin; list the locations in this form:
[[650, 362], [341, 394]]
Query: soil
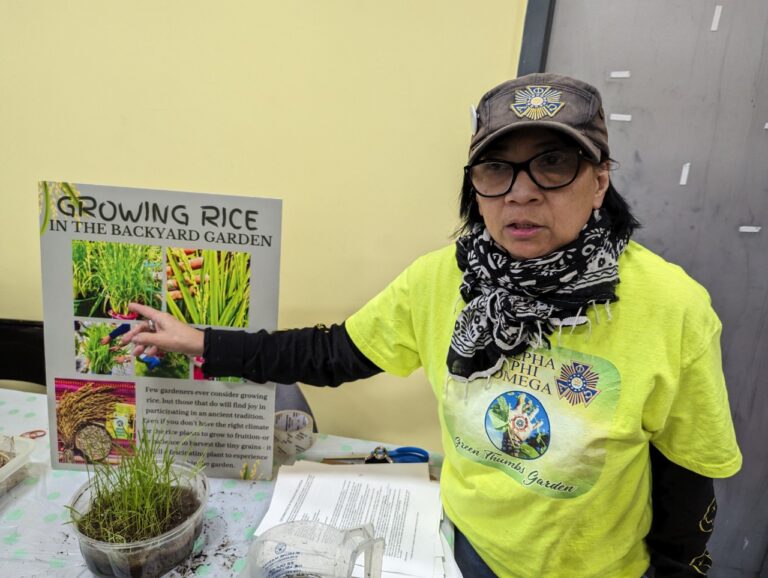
[[185, 506], [153, 560]]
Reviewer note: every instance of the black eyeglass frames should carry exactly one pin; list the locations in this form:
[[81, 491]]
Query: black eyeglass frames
[[553, 169]]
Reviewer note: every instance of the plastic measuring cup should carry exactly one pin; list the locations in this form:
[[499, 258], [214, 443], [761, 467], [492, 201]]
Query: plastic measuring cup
[[314, 550]]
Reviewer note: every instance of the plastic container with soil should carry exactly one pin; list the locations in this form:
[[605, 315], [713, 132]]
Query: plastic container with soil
[[15, 453], [154, 556]]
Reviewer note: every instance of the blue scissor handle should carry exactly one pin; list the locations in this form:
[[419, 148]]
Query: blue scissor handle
[[406, 454], [409, 454]]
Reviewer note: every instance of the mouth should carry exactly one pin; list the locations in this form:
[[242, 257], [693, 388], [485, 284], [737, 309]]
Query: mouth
[[523, 229]]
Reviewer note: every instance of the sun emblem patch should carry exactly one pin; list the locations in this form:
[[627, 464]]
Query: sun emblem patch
[[518, 425], [577, 383], [536, 102]]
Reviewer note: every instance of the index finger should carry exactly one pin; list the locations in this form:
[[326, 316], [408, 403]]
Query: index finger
[[144, 310], [135, 330]]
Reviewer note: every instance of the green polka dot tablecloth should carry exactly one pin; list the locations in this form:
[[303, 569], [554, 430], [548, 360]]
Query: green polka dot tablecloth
[[36, 540]]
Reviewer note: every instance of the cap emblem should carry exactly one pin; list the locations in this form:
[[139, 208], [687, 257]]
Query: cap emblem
[[536, 102]]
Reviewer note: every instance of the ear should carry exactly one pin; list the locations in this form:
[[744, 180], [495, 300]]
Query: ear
[[602, 179]]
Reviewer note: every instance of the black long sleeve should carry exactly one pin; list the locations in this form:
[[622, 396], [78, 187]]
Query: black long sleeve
[[683, 519], [314, 355]]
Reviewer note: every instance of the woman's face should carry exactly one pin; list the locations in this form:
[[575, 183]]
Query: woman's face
[[528, 221]]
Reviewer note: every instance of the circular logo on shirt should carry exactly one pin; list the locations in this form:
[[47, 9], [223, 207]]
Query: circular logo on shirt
[[518, 425]]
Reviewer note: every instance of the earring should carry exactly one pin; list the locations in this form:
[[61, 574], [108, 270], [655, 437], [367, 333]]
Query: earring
[[596, 214]]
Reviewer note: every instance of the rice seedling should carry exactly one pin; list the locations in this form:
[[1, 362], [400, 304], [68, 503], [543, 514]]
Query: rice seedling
[[209, 287], [140, 498], [128, 273]]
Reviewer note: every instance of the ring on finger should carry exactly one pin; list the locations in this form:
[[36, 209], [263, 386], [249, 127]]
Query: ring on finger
[[151, 324]]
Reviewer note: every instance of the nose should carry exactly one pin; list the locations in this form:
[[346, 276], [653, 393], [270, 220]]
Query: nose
[[523, 190]]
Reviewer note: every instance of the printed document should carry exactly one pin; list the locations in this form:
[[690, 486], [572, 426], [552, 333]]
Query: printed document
[[398, 500]]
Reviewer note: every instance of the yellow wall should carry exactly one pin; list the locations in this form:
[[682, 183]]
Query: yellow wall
[[354, 112]]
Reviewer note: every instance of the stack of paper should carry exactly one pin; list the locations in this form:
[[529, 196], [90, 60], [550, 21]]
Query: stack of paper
[[399, 500]]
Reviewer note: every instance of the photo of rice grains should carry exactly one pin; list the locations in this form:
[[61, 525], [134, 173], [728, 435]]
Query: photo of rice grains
[[98, 349], [206, 287], [106, 277], [95, 421]]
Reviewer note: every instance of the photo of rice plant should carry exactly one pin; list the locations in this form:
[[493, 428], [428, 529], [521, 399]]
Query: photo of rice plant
[[206, 287], [98, 349], [106, 277], [85, 286], [170, 365], [95, 421]]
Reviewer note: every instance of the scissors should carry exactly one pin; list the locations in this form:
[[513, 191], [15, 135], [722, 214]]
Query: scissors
[[381, 455], [403, 455]]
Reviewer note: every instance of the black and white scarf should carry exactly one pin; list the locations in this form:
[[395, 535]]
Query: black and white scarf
[[513, 305]]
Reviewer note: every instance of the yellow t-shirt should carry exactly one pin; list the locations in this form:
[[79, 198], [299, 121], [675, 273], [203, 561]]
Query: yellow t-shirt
[[546, 467]]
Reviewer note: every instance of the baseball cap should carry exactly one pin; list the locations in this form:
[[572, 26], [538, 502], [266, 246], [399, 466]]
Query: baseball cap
[[545, 100]]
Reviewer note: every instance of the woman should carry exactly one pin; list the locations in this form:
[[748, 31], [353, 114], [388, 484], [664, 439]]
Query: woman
[[567, 361]]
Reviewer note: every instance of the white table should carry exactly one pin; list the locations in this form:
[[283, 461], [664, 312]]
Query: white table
[[35, 539]]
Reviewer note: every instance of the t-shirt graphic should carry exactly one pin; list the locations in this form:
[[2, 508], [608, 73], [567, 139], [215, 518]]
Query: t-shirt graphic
[[543, 419]]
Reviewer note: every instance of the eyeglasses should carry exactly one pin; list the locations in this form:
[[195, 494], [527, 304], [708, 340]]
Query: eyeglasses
[[549, 170]]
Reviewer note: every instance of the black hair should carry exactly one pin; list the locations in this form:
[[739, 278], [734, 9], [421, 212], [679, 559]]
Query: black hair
[[623, 222]]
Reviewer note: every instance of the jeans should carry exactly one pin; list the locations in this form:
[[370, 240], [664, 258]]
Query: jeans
[[469, 562]]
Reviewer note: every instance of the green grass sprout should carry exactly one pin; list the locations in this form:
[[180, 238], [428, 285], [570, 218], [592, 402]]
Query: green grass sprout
[[140, 498]]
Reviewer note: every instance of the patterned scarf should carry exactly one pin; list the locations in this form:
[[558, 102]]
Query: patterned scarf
[[513, 305]]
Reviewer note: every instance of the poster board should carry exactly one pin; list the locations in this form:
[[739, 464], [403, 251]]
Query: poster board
[[209, 260]]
